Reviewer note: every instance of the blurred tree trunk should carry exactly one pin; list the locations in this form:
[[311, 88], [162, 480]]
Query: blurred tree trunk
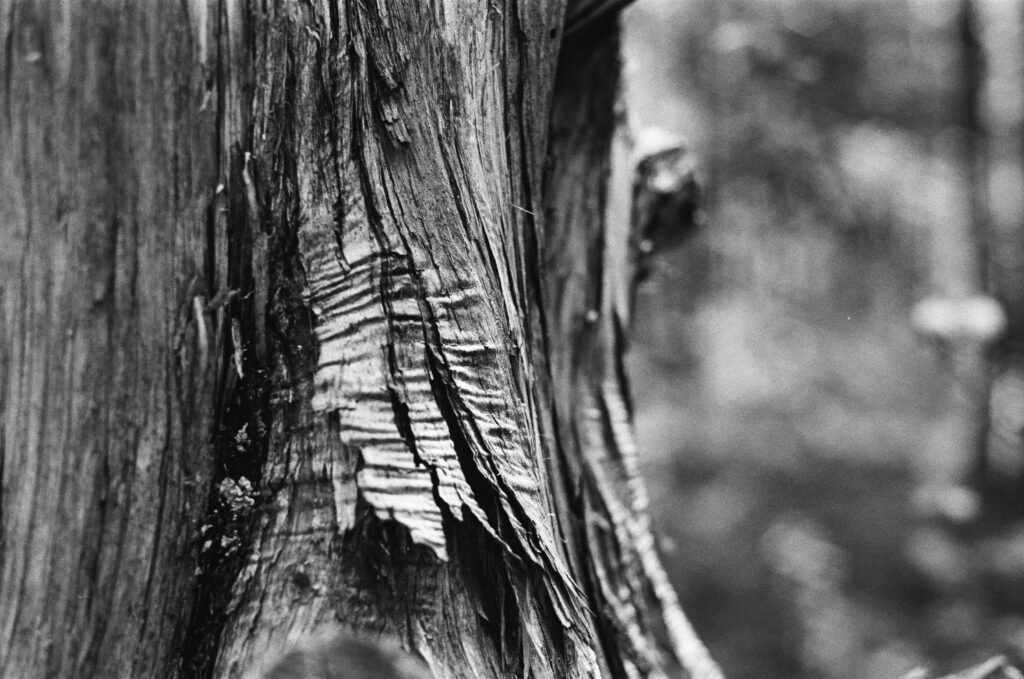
[[976, 380], [961, 315], [312, 313], [1002, 127]]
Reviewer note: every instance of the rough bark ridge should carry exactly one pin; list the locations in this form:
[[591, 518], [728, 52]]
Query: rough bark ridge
[[359, 261]]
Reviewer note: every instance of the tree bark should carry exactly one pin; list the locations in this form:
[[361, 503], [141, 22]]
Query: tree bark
[[112, 245], [313, 315]]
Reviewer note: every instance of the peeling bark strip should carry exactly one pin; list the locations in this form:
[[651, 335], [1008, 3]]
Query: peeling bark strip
[[314, 312], [381, 392]]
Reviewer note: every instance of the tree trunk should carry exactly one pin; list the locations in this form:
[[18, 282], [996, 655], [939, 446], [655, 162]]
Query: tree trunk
[[313, 315], [961, 315]]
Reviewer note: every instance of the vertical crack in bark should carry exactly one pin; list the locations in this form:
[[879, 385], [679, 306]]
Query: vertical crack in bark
[[240, 440], [237, 271]]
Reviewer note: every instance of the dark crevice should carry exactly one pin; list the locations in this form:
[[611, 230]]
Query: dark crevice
[[499, 606], [240, 437], [483, 490], [240, 447], [491, 495]]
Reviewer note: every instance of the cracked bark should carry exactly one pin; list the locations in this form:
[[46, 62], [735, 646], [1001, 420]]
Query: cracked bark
[[314, 313]]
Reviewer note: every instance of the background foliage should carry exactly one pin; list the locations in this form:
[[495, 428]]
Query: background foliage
[[793, 426]]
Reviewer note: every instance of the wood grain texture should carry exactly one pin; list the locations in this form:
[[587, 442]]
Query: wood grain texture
[[108, 166], [313, 317]]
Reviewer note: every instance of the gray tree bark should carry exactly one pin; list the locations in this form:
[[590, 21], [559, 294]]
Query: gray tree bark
[[312, 315]]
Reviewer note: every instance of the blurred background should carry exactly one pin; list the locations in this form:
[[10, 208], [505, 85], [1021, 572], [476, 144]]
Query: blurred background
[[829, 377]]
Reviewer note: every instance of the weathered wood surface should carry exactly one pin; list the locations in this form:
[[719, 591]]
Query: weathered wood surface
[[313, 315], [109, 350]]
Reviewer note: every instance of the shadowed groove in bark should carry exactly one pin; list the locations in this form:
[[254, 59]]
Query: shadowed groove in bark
[[240, 438]]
